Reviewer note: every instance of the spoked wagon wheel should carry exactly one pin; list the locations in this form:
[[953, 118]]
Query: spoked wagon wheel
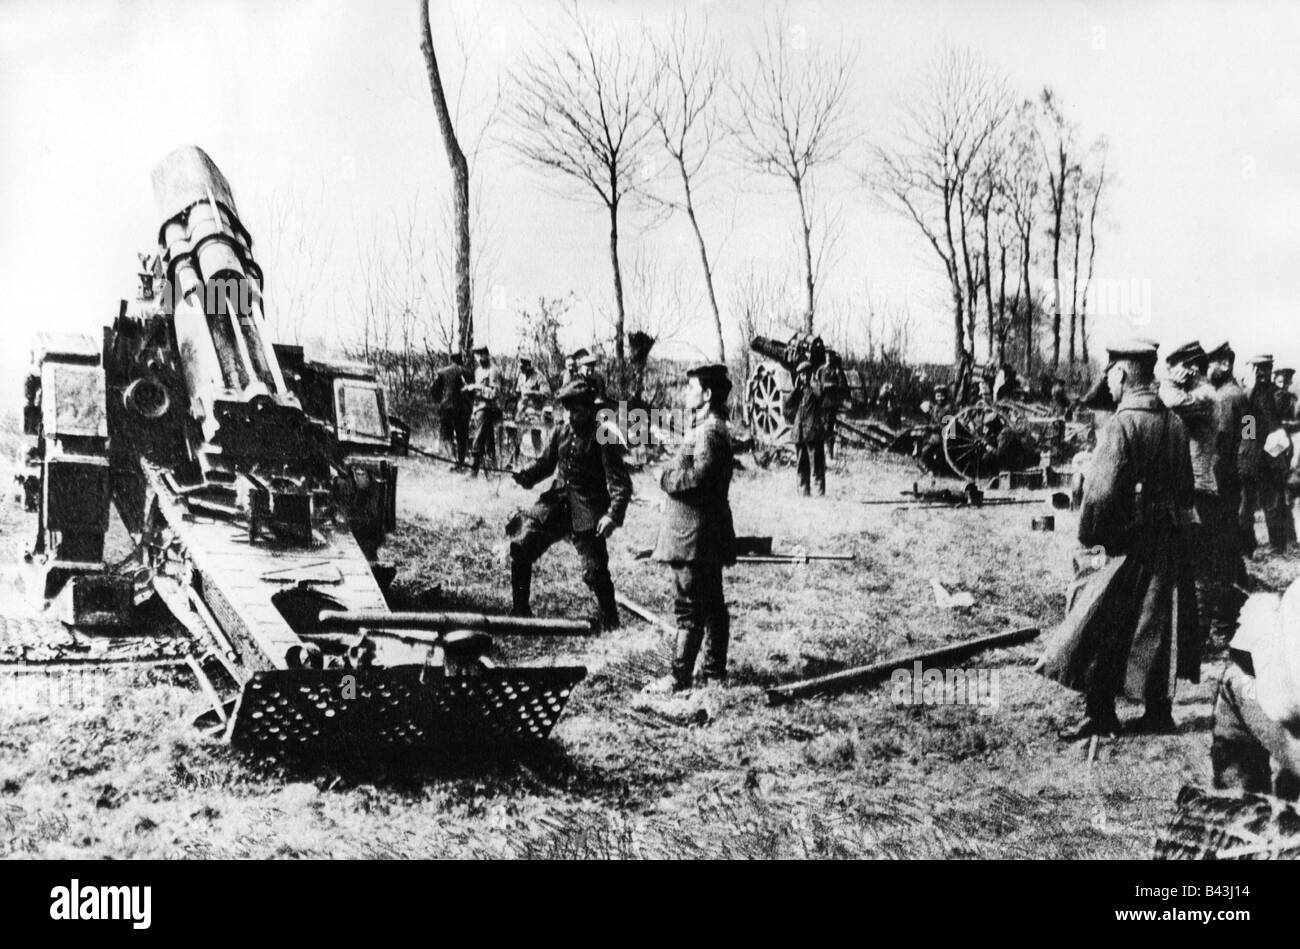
[[763, 399], [963, 442]]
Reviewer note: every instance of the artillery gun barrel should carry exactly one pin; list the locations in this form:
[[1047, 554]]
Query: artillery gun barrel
[[769, 347], [442, 622]]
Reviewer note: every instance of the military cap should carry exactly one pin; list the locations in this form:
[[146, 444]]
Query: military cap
[[711, 375], [579, 390], [1187, 352], [579, 353], [1284, 371], [1263, 359], [481, 351], [1138, 350], [941, 387], [803, 365], [587, 359], [1218, 349]]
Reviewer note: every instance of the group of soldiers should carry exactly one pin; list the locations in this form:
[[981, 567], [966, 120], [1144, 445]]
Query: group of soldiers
[[469, 405], [588, 498], [1168, 516]]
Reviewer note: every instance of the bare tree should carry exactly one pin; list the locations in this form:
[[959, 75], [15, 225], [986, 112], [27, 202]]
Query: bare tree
[[579, 111], [927, 174], [1094, 182], [1056, 138], [298, 255], [757, 298], [691, 70], [401, 321], [659, 303], [460, 186], [461, 164], [1023, 184], [792, 118]]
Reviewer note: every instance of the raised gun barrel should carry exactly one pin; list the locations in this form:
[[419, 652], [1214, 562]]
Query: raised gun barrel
[[500, 625], [770, 348]]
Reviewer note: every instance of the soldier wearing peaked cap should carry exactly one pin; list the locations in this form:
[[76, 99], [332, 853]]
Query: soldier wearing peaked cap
[[696, 535], [585, 503], [486, 390], [1132, 607], [1189, 394], [804, 409], [1284, 401], [1265, 458]]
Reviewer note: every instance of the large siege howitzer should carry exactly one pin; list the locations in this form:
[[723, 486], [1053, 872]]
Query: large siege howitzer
[[773, 379], [258, 487]]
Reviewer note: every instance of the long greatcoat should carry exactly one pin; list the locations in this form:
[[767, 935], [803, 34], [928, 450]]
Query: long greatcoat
[[1117, 633]]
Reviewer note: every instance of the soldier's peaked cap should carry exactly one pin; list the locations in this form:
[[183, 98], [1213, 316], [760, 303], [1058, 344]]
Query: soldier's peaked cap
[[1187, 352], [711, 375], [1138, 350], [579, 390], [1218, 349], [578, 354], [587, 359], [1284, 371], [481, 351], [1262, 359]]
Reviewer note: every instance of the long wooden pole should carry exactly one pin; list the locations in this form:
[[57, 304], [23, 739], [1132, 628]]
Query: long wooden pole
[[876, 672]]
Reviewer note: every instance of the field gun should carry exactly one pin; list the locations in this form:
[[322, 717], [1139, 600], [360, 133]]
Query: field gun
[[258, 487]]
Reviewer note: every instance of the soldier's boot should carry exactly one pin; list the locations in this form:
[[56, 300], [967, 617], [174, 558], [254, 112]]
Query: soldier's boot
[[1156, 719], [1099, 719], [521, 583], [602, 585], [689, 640]]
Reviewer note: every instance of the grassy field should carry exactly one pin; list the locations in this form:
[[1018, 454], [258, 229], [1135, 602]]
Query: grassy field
[[720, 774]]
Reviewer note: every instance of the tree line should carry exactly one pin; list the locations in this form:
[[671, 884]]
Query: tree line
[[1002, 186]]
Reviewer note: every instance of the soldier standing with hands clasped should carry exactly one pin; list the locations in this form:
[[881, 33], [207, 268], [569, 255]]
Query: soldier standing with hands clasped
[[696, 537]]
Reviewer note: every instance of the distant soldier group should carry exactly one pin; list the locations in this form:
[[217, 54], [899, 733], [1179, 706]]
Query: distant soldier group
[[1168, 512]]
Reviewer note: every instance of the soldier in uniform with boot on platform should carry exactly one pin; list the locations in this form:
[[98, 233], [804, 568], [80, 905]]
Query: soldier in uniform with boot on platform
[[585, 503]]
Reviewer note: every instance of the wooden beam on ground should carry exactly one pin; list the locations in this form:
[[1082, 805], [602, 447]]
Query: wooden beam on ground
[[876, 672], [636, 609]]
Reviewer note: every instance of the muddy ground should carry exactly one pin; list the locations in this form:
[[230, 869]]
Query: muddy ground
[[115, 770]]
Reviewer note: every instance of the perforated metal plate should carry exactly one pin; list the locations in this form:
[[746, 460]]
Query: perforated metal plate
[[384, 711]]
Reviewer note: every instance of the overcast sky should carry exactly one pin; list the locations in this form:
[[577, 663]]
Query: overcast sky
[[324, 106]]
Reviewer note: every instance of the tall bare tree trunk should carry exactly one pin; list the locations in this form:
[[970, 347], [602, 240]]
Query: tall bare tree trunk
[[807, 255], [1028, 299], [704, 261], [620, 315], [1074, 298], [460, 190]]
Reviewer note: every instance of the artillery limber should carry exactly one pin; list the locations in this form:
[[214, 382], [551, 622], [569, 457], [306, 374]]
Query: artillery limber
[[258, 487]]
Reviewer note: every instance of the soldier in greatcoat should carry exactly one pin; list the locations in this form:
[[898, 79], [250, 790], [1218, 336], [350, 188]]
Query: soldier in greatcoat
[[696, 536], [1131, 624]]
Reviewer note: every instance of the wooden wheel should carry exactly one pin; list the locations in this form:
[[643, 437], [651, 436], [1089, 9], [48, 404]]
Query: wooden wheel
[[764, 396], [963, 442]]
